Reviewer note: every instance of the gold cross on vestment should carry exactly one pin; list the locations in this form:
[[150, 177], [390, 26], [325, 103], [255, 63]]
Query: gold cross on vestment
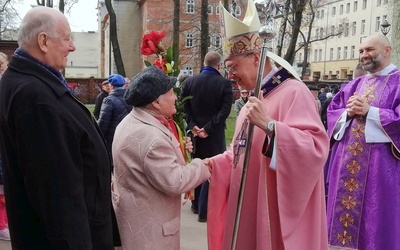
[[276, 79]]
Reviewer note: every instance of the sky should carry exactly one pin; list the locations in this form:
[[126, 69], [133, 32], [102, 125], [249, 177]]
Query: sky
[[82, 17]]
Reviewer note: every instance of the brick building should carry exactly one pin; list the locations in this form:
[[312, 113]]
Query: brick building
[[136, 17]]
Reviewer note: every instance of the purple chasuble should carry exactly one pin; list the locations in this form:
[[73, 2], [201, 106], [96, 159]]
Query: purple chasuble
[[364, 178]]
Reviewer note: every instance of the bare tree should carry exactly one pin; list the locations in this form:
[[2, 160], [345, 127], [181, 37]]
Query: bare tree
[[8, 19], [114, 39], [204, 30], [175, 32]]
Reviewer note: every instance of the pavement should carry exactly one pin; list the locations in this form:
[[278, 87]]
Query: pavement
[[193, 233]]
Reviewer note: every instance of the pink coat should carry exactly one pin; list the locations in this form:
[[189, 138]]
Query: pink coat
[[282, 209], [149, 177]]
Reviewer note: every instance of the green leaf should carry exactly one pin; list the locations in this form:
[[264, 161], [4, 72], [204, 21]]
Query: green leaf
[[169, 54], [147, 63]]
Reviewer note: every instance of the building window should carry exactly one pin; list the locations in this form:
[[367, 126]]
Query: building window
[[318, 14], [378, 3], [321, 33], [348, 8], [377, 23], [217, 41], [331, 54], [354, 28], [316, 33], [190, 6], [364, 4], [346, 29], [332, 30], [322, 13], [210, 9], [341, 10], [355, 6], [209, 41], [188, 70], [345, 52], [189, 41], [339, 51], [362, 26], [353, 51], [340, 30], [385, 1], [238, 10], [315, 55], [333, 11], [320, 55], [217, 10]]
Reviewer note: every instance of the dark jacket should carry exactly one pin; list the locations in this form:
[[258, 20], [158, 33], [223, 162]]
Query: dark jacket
[[113, 110], [209, 108], [56, 165], [99, 101]]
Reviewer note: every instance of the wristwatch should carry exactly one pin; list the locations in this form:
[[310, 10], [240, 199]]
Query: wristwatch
[[271, 127]]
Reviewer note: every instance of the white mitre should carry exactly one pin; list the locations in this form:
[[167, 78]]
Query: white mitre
[[240, 37]]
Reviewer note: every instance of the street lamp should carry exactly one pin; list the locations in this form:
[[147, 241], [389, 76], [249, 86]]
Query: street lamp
[[385, 27]]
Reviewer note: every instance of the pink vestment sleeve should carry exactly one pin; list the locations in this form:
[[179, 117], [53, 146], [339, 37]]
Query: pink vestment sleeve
[[218, 198]]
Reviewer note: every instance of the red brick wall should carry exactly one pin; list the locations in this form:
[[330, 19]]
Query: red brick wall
[[86, 89]]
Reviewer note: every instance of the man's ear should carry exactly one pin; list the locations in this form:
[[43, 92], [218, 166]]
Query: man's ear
[[43, 39], [388, 50], [256, 58]]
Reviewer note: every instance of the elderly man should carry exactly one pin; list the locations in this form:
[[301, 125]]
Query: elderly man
[[56, 165], [206, 115], [363, 175], [105, 90], [283, 200]]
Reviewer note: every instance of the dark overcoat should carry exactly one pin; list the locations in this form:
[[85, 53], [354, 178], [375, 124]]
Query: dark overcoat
[[55, 162], [209, 108]]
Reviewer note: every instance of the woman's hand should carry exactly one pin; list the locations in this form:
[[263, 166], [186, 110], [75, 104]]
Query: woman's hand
[[189, 145]]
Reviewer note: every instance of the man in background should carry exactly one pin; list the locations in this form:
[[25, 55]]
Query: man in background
[[57, 170], [105, 90], [206, 114], [113, 109], [241, 101], [314, 91]]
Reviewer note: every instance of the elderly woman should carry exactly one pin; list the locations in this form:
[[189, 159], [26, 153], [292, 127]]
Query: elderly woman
[[149, 170]]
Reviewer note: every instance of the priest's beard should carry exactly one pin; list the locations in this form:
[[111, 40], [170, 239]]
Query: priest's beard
[[373, 64]]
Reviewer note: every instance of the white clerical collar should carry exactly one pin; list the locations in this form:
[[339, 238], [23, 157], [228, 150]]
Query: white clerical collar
[[270, 74], [384, 71]]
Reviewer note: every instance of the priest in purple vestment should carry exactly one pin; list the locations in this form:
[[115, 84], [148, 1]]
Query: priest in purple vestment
[[363, 174]]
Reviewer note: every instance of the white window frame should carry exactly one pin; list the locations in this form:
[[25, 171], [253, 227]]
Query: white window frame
[[210, 9], [377, 23], [189, 40], [190, 7], [354, 28], [362, 27]]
